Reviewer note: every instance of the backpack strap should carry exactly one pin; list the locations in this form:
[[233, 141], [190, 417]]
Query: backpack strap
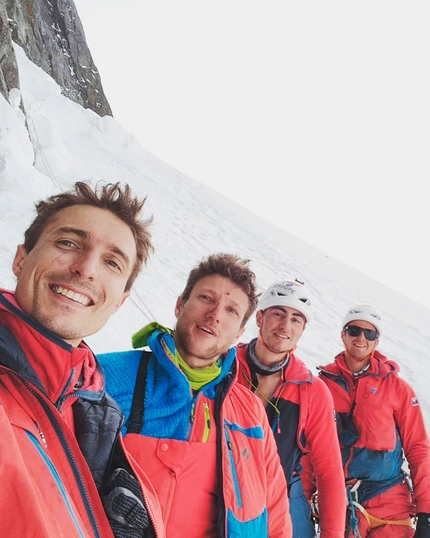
[[135, 420]]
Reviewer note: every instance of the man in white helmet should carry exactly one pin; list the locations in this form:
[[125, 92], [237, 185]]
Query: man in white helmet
[[298, 405], [379, 423]]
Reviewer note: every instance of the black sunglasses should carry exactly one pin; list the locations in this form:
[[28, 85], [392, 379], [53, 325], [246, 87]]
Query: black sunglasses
[[369, 334]]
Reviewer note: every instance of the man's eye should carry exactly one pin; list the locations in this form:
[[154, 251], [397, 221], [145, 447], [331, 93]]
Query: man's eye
[[232, 311], [113, 264], [66, 243]]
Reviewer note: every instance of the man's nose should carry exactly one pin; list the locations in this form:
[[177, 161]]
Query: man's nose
[[85, 264], [215, 311]]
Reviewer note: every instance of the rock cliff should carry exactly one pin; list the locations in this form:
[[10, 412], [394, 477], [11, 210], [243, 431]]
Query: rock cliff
[[52, 36]]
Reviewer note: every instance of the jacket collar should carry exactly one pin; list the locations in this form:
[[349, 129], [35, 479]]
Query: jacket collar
[[380, 366], [44, 359]]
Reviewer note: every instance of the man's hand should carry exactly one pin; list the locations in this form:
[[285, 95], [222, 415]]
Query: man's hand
[[124, 506]]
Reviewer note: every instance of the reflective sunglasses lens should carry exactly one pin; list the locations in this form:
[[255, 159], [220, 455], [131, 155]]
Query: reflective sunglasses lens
[[369, 334], [353, 330]]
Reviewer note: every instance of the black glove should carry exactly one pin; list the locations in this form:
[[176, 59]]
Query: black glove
[[124, 506], [423, 526]]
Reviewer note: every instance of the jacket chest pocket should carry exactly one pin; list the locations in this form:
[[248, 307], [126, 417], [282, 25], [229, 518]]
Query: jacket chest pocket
[[245, 457]]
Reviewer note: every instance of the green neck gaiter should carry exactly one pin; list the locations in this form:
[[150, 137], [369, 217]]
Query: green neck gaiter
[[197, 377]]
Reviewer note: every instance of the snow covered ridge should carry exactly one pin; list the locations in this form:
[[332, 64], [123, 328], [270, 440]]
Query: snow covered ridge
[[56, 142]]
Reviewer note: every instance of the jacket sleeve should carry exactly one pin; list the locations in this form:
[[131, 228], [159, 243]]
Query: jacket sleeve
[[277, 494], [325, 466], [415, 442], [307, 476]]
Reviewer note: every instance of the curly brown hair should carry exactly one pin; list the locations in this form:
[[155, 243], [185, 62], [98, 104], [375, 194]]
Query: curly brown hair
[[116, 198], [229, 266]]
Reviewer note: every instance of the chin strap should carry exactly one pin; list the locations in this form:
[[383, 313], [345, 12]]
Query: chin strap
[[263, 343]]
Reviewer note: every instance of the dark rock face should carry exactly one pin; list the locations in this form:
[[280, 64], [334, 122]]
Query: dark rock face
[[52, 36], [8, 68]]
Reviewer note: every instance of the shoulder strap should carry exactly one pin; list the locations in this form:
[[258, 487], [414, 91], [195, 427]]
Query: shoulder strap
[[303, 415], [135, 420]]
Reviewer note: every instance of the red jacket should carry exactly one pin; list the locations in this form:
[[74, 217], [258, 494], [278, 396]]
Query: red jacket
[[306, 425], [387, 418], [48, 488]]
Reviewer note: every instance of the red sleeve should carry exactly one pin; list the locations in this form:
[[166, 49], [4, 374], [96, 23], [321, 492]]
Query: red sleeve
[[322, 441], [307, 476], [415, 442]]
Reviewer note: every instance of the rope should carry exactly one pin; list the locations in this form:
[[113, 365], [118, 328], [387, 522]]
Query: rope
[[353, 519], [137, 298], [374, 521]]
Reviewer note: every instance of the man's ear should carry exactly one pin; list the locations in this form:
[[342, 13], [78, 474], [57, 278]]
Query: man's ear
[[178, 306], [19, 259], [259, 318], [239, 334], [125, 295], [342, 335]]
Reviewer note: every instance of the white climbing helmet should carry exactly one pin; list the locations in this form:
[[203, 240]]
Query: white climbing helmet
[[290, 293], [364, 312]]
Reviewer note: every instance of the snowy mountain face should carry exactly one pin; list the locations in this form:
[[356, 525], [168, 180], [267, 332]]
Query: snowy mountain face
[[48, 142], [52, 36]]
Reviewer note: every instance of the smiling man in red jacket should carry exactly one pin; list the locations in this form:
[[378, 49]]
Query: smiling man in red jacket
[[61, 452], [379, 424]]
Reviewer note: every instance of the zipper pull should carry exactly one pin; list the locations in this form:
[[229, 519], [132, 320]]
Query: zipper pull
[[207, 415], [42, 436]]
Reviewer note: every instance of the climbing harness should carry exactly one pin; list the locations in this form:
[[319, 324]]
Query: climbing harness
[[352, 502], [372, 521]]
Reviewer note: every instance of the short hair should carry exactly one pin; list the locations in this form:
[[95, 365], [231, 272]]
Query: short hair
[[114, 197], [229, 266]]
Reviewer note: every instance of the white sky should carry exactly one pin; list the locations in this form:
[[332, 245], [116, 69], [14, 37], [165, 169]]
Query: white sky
[[314, 115], [58, 143]]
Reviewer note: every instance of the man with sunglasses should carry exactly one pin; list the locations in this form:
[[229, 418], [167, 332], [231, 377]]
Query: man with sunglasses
[[380, 425]]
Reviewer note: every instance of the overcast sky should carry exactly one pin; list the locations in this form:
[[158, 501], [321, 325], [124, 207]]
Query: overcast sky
[[314, 115]]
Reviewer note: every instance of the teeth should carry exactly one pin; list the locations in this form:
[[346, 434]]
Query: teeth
[[77, 297], [206, 330]]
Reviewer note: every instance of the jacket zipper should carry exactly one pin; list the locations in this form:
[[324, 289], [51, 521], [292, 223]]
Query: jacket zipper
[[207, 422], [58, 481], [42, 436], [67, 450], [170, 497], [233, 467]]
